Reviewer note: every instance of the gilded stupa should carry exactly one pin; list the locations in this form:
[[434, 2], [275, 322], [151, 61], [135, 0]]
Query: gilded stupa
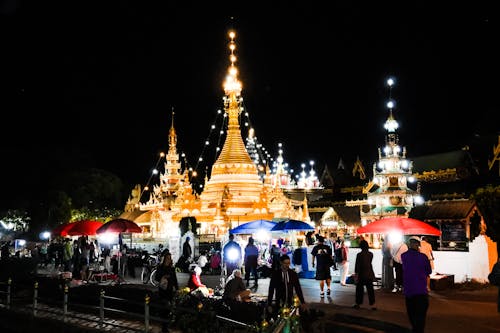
[[235, 188], [233, 194]]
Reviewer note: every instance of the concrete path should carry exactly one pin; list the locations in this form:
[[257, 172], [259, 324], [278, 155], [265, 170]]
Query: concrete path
[[450, 310]]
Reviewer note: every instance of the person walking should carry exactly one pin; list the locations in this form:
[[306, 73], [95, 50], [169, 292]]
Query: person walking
[[231, 255], [416, 268], [426, 248], [322, 258], [284, 284], [364, 276], [251, 257], [167, 286]]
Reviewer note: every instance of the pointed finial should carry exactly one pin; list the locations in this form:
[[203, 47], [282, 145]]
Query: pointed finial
[[391, 124], [232, 85], [173, 113]]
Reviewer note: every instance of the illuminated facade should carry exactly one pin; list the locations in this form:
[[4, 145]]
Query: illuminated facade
[[388, 193], [234, 193]]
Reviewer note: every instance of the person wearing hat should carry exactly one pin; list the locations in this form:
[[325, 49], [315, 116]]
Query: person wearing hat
[[416, 268]]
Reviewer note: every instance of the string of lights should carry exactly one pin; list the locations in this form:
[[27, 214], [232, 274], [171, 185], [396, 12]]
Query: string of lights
[[257, 151]]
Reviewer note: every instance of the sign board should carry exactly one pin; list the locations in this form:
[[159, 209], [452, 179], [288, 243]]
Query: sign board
[[207, 238]]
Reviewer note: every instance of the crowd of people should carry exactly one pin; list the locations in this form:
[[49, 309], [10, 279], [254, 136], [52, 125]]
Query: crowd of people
[[407, 266]]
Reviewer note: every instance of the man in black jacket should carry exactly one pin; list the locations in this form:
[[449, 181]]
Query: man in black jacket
[[285, 282]]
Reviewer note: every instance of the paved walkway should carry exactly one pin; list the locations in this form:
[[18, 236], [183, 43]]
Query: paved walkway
[[450, 310]]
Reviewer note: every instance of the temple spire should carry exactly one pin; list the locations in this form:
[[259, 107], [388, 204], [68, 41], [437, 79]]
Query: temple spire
[[234, 150]]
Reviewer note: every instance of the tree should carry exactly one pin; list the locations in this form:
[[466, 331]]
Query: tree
[[93, 188], [488, 201], [77, 195], [16, 220]]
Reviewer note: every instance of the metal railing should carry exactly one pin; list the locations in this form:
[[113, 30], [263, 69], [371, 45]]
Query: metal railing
[[103, 314], [6, 292]]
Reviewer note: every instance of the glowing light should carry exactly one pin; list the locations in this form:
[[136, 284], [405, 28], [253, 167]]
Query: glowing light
[[45, 235], [262, 235], [395, 237], [107, 238], [232, 254], [418, 200], [390, 104], [155, 171], [390, 82]]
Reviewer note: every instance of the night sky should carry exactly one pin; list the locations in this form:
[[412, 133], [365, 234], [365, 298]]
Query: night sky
[[92, 83]]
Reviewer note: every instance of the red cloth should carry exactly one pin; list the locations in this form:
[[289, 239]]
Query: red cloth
[[194, 282]]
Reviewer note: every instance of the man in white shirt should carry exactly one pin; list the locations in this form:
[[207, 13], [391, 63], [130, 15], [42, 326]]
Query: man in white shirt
[[397, 249]]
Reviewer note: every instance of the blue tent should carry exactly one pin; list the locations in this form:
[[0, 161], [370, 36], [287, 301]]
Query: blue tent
[[292, 225], [253, 226]]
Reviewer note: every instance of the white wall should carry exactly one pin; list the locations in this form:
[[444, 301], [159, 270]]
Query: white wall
[[463, 265]]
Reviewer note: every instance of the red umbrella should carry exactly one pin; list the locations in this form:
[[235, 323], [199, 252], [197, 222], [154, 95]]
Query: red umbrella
[[62, 229], [404, 225], [84, 228], [119, 225]]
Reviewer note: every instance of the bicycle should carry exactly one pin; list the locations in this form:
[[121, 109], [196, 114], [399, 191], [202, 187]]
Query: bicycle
[[149, 266]]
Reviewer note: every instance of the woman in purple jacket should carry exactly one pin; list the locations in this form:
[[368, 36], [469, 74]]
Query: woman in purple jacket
[[416, 269]]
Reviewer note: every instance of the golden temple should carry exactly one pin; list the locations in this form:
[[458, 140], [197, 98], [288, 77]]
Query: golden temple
[[234, 193]]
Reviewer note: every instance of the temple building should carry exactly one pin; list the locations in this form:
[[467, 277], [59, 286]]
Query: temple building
[[233, 194], [388, 193]]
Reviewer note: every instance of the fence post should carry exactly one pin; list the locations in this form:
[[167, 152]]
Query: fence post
[[146, 313], [101, 309], [9, 283], [35, 298], [65, 303]]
